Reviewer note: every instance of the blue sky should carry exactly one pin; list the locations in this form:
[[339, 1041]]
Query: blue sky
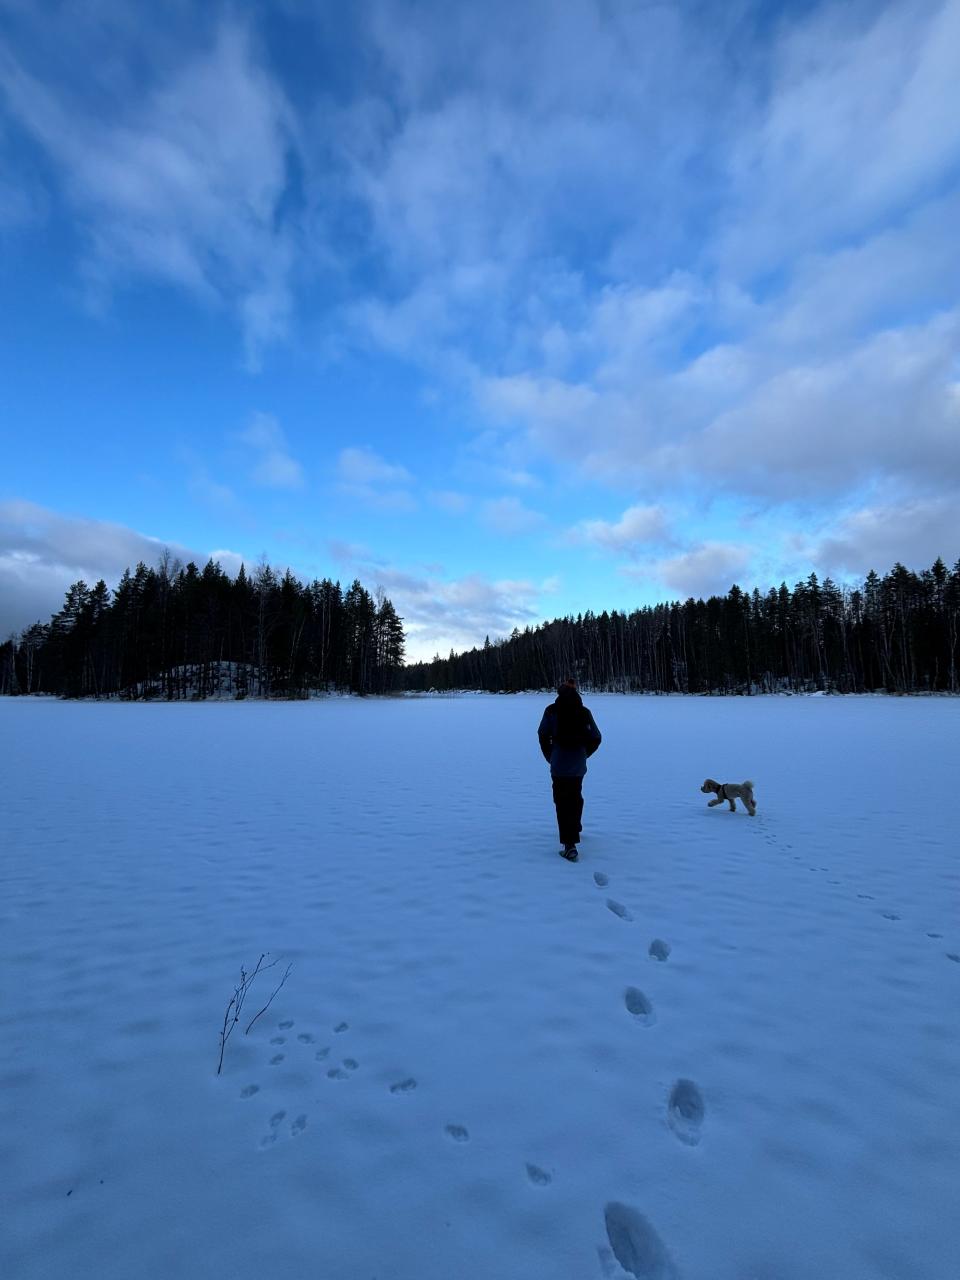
[[515, 310]]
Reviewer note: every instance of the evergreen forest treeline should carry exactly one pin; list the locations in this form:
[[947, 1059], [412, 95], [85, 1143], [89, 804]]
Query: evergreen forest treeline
[[182, 632], [897, 633]]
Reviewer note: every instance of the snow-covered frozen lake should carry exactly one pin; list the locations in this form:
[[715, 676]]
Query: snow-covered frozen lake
[[477, 1069]]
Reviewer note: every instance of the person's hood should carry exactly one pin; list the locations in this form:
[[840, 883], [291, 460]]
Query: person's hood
[[567, 696]]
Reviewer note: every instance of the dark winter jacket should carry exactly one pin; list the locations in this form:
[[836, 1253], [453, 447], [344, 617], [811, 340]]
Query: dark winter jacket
[[568, 734]]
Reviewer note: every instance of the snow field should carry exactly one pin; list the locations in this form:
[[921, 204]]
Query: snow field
[[717, 1047]]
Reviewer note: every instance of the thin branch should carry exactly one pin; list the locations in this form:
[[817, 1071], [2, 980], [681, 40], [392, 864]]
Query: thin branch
[[231, 1015], [270, 1001]]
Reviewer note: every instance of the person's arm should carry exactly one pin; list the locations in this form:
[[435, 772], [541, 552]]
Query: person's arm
[[594, 737], [545, 735]]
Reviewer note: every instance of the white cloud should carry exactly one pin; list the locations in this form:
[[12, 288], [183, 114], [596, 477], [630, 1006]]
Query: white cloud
[[230, 561], [441, 613], [709, 569], [444, 614], [637, 527], [43, 552], [913, 532], [781, 412], [274, 467]]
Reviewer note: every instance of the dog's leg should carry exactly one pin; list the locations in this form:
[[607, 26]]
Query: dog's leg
[[733, 804], [711, 803]]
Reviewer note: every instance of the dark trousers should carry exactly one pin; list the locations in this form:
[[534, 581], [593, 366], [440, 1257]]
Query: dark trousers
[[568, 797]]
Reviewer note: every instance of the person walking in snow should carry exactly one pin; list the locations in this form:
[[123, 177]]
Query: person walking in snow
[[568, 735]]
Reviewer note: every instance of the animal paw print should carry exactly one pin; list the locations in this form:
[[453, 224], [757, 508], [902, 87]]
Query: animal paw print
[[275, 1122]]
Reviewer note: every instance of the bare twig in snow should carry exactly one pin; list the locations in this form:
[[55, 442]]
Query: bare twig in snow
[[232, 1013], [270, 1001]]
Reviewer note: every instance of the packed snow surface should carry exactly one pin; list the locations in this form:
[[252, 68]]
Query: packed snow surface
[[717, 1048]]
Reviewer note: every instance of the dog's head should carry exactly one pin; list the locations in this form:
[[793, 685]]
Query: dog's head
[[710, 785]]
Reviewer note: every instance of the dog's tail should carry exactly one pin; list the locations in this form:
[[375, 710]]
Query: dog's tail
[[748, 785]]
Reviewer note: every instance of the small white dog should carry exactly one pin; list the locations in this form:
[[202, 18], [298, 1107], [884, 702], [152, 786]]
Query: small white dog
[[731, 791]]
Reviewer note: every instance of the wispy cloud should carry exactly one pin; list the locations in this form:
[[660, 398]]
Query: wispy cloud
[[274, 467], [204, 488], [451, 501], [364, 474], [180, 180], [789, 331], [509, 516], [351, 554], [852, 129], [443, 612]]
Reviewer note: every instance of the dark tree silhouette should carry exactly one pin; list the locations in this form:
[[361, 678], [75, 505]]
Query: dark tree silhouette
[[898, 633], [181, 632]]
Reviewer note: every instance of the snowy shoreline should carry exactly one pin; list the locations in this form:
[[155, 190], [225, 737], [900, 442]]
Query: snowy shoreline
[[418, 694]]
